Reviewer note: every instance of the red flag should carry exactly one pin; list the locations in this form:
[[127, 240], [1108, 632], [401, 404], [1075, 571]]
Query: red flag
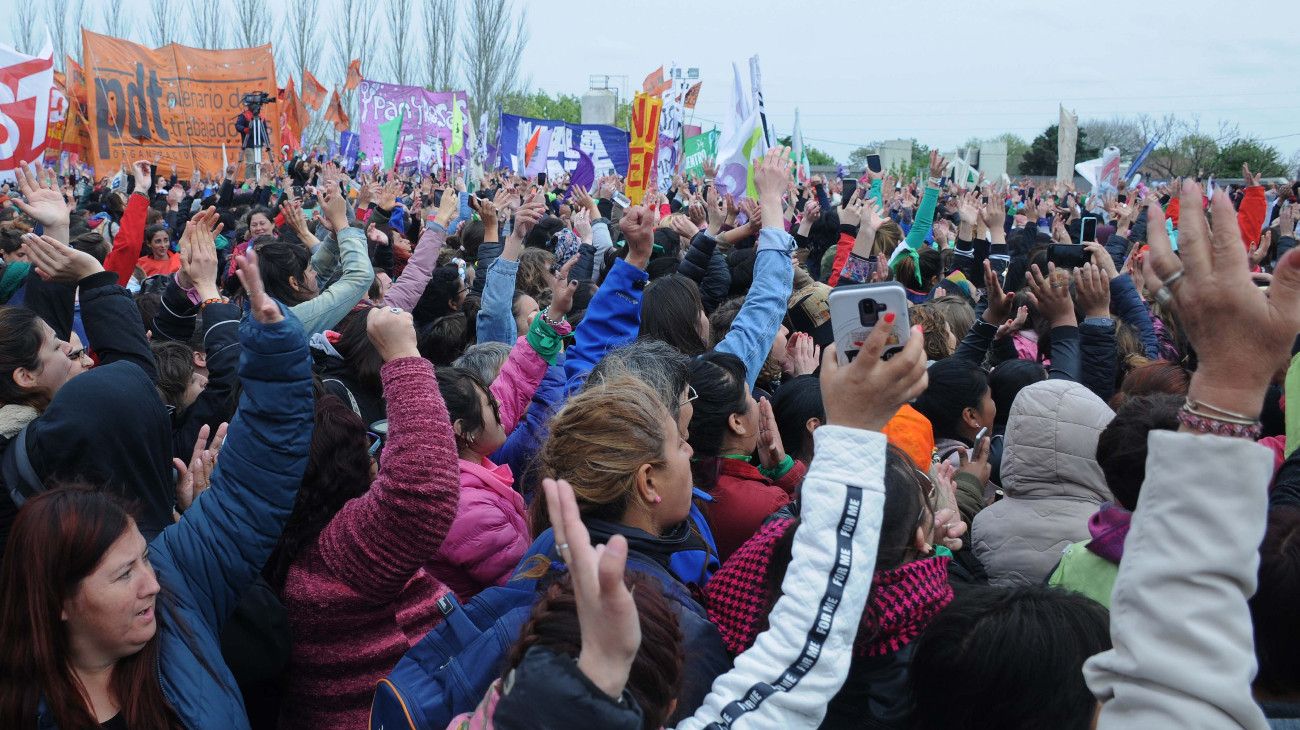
[[336, 114], [313, 93], [693, 95], [354, 75]]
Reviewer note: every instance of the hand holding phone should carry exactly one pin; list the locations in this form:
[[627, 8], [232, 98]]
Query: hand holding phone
[[855, 311]]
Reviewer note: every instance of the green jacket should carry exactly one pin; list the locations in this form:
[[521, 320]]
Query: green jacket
[[1083, 571]]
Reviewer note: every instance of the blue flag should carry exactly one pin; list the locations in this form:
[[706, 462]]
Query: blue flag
[[1142, 157]]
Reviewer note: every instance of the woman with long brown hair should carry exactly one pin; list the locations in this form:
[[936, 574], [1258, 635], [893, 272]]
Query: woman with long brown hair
[[99, 628]]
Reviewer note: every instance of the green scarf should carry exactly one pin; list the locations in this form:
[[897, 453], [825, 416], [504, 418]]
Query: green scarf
[[13, 277]]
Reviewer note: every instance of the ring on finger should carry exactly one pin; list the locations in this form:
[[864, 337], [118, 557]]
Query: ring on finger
[[1172, 279], [1163, 296]]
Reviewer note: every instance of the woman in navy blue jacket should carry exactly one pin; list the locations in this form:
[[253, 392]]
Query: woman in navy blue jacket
[[110, 659]]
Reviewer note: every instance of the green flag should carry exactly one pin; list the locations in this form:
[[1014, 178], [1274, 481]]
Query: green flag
[[457, 127], [389, 134], [695, 150]]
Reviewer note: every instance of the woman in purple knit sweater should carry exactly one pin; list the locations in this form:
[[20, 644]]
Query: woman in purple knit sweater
[[352, 545]]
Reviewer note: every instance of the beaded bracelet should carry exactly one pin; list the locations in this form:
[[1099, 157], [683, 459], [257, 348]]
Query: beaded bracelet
[[214, 300], [1211, 425]]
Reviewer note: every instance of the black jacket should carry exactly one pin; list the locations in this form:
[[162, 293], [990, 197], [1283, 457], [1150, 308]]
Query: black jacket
[[547, 690], [708, 268]]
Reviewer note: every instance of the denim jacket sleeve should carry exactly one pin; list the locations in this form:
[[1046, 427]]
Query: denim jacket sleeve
[[751, 334], [496, 321]]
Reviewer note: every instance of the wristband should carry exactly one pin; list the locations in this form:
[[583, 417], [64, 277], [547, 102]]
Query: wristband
[[213, 300], [1203, 423]]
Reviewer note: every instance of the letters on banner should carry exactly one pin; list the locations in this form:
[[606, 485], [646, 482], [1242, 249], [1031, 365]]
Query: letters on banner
[[26, 97], [642, 167], [174, 103]]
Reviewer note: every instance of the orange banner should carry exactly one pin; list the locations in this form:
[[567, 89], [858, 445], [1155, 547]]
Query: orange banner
[[176, 104], [645, 145], [313, 93]]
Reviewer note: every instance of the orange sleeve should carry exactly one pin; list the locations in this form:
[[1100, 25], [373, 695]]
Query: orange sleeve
[[1171, 211]]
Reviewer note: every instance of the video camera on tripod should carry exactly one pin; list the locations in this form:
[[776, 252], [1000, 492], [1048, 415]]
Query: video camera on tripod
[[255, 99]]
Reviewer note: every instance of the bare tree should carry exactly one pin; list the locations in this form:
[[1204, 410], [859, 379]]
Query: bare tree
[[351, 39], [25, 28], [439, 33], [164, 23], [253, 23], [63, 19], [209, 23], [116, 20], [400, 17], [494, 40], [301, 36]]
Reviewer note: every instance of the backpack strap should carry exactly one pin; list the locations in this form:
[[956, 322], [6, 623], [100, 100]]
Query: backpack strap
[[20, 477]]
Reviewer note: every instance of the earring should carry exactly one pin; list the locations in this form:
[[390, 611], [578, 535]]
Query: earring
[[656, 500]]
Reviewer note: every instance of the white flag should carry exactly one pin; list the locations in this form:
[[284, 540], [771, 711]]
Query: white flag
[[803, 171], [741, 142]]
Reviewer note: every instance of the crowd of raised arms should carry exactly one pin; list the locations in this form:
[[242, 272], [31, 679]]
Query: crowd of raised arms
[[315, 447]]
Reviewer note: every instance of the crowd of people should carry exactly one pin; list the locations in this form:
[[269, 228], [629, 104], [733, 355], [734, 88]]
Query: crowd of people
[[294, 450]]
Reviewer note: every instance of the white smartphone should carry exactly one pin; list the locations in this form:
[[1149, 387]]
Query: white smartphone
[[855, 311]]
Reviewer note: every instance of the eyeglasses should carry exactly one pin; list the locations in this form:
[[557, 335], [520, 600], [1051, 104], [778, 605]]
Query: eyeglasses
[[691, 395], [376, 442], [77, 354]]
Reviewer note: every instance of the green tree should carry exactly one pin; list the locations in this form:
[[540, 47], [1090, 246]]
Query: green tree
[[1040, 158], [541, 105], [1263, 159], [858, 157], [815, 156]]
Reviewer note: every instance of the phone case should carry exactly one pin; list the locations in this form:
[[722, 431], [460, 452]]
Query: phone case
[[846, 320]]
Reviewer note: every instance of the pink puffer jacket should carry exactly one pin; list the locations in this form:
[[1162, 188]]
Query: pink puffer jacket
[[490, 532]]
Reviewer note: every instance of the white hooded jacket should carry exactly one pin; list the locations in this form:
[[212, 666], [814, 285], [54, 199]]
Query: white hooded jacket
[[1051, 481]]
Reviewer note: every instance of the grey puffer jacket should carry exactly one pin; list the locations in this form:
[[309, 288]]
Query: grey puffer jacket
[[1051, 481]]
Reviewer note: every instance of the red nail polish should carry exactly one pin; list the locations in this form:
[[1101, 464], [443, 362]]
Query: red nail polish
[[890, 317]]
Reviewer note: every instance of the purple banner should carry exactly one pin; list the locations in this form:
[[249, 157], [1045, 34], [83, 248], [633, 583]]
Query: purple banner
[[426, 129]]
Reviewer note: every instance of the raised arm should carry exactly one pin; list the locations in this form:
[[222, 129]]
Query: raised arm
[[130, 234], [496, 321], [406, 291], [756, 324], [339, 298], [229, 531], [1201, 677], [378, 541]]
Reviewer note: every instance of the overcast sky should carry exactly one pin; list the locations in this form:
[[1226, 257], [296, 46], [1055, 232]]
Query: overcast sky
[[942, 71]]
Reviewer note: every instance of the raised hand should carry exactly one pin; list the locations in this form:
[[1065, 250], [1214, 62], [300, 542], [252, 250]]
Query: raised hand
[[682, 226], [262, 306], [607, 616], [1241, 335], [40, 199], [582, 225], [637, 225], [198, 249], [869, 391], [194, 478], [58, 262], [562, 295], [1051, 295], [333, 208], [770, 176], [1250, 180], [392, 332], [140, 170], [1093, 287], [938, 165], [771, 452], [802, 354], [999, 302], [447, 207]]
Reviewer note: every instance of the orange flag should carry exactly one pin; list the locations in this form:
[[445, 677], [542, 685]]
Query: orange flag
[[693, 95], [293, 117], [313, 93], [354, 75], [653, 81], [336, 114]]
